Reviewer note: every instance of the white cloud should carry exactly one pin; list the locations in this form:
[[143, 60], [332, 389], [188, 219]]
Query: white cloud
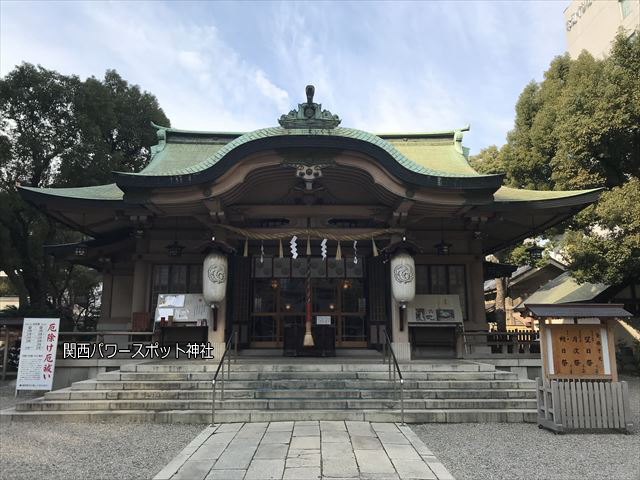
[[268, 89], [192, 61], [380, 66], [200, 80]]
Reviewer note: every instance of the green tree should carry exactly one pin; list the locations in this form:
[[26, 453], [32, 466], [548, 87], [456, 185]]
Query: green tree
[[115, 133], [608, 250], [57, 130], [580, 128]]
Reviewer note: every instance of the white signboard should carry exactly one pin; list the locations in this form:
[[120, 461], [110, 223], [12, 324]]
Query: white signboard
[[186, 308], [429, 309], [37, 353], [323, 320]]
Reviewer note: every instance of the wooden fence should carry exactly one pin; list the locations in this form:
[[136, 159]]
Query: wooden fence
[[574, 404], [517, 343]]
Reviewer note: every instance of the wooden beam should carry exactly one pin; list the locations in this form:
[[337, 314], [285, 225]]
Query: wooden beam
[[400, 214], [216, 210], [304, 211]]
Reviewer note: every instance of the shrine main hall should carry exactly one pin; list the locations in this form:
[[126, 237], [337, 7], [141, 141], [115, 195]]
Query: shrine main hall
[[304, 238]]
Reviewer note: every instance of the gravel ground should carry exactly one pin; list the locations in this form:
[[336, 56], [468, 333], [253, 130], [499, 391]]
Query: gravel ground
[[522, 451], [470, 451], [72, 451], [8, 395], [80, 451]]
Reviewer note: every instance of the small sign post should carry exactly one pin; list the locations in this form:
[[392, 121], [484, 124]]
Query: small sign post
[[37, 354]]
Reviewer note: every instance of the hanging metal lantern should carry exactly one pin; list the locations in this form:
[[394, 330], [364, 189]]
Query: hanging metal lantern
[[442, 248], [535, 252], [214, 277], [175, 249], [80, 250], [403, 278]]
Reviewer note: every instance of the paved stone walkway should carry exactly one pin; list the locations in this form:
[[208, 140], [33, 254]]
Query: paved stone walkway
[[305, 450]]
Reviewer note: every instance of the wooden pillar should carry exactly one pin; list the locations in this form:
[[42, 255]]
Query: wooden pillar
[[106, 294], [5, 353], [476, 319], [401, 345], [139, 290]]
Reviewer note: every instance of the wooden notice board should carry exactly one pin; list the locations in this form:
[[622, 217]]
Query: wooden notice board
[[577, 350]]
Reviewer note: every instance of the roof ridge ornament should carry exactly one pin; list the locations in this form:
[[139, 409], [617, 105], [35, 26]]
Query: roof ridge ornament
[[309, 115]]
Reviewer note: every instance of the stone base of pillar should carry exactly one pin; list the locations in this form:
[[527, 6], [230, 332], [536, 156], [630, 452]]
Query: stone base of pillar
[[402, 351]]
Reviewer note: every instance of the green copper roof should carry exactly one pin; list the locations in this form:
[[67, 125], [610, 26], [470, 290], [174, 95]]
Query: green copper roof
[[564, 289], [178, 157], [440, 155], [181, 152], [98, 192], [439, 159], [508, 194]]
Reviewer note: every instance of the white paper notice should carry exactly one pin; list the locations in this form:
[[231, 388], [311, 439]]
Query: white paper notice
[[171, 300], [163, 313], [37, 353]]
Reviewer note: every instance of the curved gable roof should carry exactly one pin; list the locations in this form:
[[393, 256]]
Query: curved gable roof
[[184, 158]]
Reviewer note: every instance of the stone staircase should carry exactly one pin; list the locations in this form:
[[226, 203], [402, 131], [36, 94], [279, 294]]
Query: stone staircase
[[278, 389]]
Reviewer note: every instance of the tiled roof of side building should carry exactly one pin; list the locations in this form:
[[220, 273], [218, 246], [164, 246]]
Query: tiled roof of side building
[[564, 289]]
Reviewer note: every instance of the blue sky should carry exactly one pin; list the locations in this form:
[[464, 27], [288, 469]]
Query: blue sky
[[382, 66]]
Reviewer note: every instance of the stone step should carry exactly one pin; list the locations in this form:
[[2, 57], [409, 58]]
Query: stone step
[[204, 376], [300, 384], [274, 404], [69, 394], [297, 367], [228, 416], [290, 389]]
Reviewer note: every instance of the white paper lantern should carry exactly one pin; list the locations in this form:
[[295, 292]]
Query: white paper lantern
[[214, 277], [403, 278]]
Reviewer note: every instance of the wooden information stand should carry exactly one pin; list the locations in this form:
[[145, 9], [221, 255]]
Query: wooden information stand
[[580, 388], [579, 350]]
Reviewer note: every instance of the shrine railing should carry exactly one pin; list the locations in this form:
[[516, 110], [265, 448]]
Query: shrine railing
[[233, 340], [389, 356], [518, 343]]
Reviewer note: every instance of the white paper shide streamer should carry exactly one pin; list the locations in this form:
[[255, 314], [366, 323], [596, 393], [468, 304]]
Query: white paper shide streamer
[[355, 251], [323, 248], [294, 247]]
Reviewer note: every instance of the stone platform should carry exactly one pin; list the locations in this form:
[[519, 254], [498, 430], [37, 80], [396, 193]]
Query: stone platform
[[305, 450], [273, 389]]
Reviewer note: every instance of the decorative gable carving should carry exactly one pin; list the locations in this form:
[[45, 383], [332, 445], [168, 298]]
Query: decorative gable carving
[[309, 115]]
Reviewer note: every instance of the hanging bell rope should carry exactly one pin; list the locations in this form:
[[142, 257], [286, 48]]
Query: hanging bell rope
[[254, 234]]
